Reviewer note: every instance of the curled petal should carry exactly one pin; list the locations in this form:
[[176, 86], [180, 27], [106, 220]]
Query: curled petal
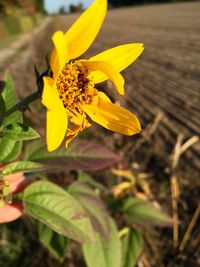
[[103, 96], [81, 123], [120, 57], [83, 32], [72, 133], [109, 70], [113, 117]]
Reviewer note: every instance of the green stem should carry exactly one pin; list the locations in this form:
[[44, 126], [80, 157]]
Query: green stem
[[22, 105]]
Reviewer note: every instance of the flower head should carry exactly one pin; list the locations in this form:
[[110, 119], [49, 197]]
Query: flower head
[[70, 94]]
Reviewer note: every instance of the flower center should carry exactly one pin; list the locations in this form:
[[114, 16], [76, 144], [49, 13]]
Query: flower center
[[75, 87]]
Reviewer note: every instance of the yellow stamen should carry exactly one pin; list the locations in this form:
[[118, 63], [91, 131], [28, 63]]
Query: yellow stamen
[[75, 87]]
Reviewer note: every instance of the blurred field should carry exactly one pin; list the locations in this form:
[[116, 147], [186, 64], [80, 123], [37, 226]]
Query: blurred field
[[166, 77], [162, 88]]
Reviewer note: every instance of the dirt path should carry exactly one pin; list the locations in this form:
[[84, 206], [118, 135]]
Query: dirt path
[[23, 40]]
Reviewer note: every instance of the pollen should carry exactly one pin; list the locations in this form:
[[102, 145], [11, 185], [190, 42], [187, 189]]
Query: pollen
[[75, 86]]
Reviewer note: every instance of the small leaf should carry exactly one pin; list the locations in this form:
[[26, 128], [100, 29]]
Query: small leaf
[[2, 104], [10, 99], [37, 74], [81, 155], [93, 205], [141, 212], [55, 243], [12, 118], [9, 149], [53, 206], [22, 166], [104, 253], [9, 92], [131, 248], [2, 86], [18, 131], [84, 178]]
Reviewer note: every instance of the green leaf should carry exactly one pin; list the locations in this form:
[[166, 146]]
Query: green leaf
[[9, 92], [18, 131], [2, 86], [93, 205], [84, 178], [22, 166], [54, 207], [2, 104], [55, 243], [81, 155], [9, 149], [131, 248], [142, 212], [37, 74], [12, 118], [10, 100], [104, 253]]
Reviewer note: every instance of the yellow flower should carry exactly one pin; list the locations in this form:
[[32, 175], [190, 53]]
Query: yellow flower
[[70, 94]]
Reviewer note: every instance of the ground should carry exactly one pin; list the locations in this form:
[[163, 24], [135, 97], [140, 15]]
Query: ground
[[162, 88]]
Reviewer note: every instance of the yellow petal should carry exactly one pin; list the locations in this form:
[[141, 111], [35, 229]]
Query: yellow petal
[[113, 117], [119, 189], [56, 115], [104, 96], [83, 32], [59, 56], [109, 70], [120, 57], [50, 96], [56, 128], [54, 62]]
